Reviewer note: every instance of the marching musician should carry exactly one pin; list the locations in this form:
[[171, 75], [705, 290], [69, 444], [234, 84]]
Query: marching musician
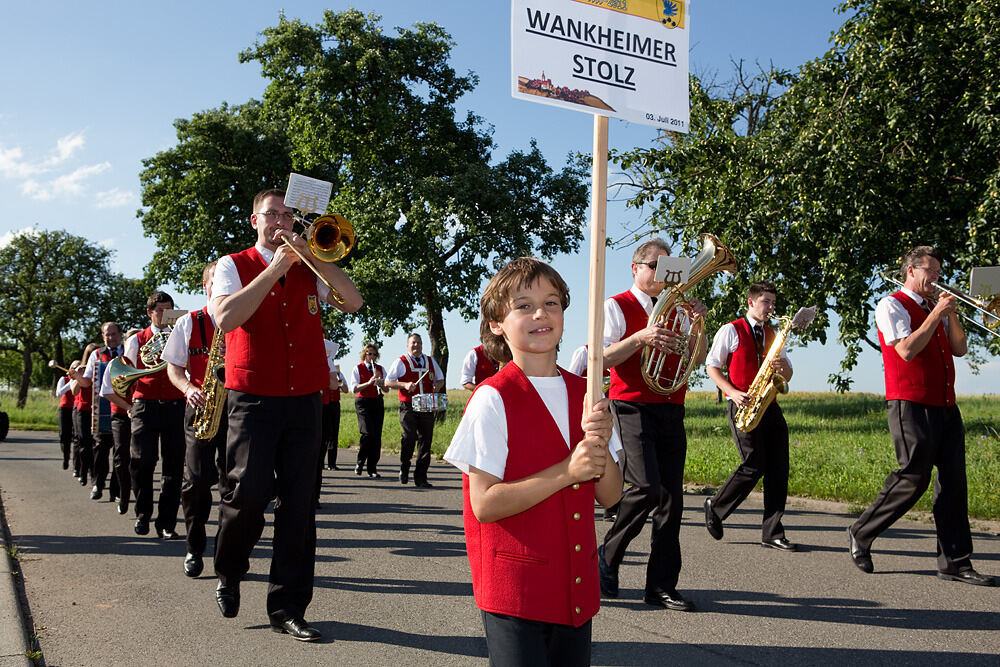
[[267, 302], [415, 373], [121, 434], [187, 357], [476, 367], [64, 392], [919, 338], [652, 432], [157, 411], [83, 439], [329, 416], [736, 355], [102, 438], [368, 384]]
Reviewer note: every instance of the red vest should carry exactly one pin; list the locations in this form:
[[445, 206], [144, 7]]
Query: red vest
[[742, 362], [330, 395], [540, 564], [485, 367], [279, 350], [99, 377], [155, 387], [930, 377], [198, 356], [411, 375], [66, 400], [83, 401], [364, 375], [626, 378]]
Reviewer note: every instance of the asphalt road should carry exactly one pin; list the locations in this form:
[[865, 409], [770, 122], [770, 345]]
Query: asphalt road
[[393, 587]]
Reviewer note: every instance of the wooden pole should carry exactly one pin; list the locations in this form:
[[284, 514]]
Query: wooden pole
[[598, 234]]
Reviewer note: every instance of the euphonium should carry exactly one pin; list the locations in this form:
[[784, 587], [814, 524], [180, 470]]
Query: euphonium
[[206, 418], [714, 257], [768, 383]]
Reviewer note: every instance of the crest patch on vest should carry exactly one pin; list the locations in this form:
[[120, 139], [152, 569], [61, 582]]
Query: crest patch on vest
[[313, 304]]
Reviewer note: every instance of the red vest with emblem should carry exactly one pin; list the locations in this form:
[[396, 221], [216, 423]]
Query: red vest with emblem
[[485, 367], [742, 362], [198, 356], [106, 357], [279, 350], [412, 373], [626, 378], [155, 387], [364, 375], [930, 377], [540, 564], [66, 400]]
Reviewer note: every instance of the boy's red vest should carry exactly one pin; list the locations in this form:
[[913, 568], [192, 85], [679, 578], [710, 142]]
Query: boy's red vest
[[742, 362], [626, 378], [411, 375], [155, 387], [541, 564], [279, 350], [930, 377]]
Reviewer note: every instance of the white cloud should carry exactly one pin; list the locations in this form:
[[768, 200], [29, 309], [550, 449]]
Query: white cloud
[[66, 146], [114, 198], [65, 185], [107, 244], [9, 236]]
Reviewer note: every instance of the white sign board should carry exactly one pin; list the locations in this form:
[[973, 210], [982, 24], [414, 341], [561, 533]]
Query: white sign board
[[625, 59], [984, 281], [308, 195], [672, 270]]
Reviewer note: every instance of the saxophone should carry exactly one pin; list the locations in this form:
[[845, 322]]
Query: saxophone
[[206, 418], [768, 383]]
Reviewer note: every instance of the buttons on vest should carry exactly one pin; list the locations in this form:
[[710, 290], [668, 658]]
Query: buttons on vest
[[576, 486], [576, 516], [578, 580], [576, 609], [577, 547], [272, 293]]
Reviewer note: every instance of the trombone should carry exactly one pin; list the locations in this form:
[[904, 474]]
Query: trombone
[[329, 237], [988, 310]]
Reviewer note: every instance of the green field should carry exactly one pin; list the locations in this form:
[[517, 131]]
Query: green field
[[840, 445]]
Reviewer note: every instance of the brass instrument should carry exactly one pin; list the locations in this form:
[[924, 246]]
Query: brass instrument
[[768, 383], [54, 366], [714, 257], [123, 374], [988, 310], [207, 417], [329, 237]]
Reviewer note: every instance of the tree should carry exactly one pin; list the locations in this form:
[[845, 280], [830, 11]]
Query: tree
[[887, 141], [47, 284]]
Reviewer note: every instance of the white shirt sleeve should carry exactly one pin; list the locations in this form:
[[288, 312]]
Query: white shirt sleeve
[[578, 363], [893, 320], [725, 341], [355, 380], [438, 375], [131, 348], [480, 441], [63, 386], [395, 371], [227, 278], [614, 322], [106, 389], [92, 363], [469, 368], [176, 349]]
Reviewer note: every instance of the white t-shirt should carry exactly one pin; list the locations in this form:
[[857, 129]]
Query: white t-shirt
[[480, 440]]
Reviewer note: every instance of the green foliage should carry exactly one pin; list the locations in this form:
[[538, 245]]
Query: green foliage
[[888, 141]]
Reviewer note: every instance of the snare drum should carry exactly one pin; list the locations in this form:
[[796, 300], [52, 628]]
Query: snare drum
[[430, 402]]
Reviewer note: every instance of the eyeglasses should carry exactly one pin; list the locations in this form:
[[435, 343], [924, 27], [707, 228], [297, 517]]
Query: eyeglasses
[[651, 265], [928, 269], [287, 217]]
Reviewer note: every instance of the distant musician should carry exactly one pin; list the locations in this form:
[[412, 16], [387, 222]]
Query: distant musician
[[368, 384], [476, 367]]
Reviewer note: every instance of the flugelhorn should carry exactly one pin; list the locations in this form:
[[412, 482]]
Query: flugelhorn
[[988, 310], [329, 238], [714, 257]]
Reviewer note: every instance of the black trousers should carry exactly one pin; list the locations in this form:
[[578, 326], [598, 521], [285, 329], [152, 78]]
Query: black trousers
[[518, 642], [83, 443], [764, 453], [331, 432], [204, 466], [121, 454], [271, 452], [371, 415], [655, 447], [925, 436], [418, 429], [103, 442], [66, 433], [157, 431]]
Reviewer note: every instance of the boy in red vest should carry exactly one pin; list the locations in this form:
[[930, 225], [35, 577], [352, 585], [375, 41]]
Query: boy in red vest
[[739, 348], [918, 339], [533, 468]]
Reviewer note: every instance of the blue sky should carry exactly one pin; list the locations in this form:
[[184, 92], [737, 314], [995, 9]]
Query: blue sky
[[89, 90]]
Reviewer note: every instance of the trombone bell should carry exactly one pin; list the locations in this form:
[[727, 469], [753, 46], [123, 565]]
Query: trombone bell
[[330, 237]]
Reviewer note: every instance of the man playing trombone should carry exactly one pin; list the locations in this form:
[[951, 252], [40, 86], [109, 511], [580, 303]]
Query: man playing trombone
[[267, 302], [919, 339]]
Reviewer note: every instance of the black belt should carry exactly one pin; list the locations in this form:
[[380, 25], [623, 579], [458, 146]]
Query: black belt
[[156, 400]]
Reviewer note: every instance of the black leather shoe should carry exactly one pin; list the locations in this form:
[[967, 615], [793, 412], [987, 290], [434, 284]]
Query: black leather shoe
[[669, 599], [712, 523], [228, 598], [357, 470], [83, 480], [969, 576], [166, 534], [609, 578], [779, 543], [404, 477], [122, 505], [297, 628], [193, 565], [66, 464], [96, 493], [375, 475], [142, 526], [423, 485], [861, 557]]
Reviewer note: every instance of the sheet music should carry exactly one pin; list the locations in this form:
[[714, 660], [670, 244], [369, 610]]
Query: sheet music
[[308, 195]]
